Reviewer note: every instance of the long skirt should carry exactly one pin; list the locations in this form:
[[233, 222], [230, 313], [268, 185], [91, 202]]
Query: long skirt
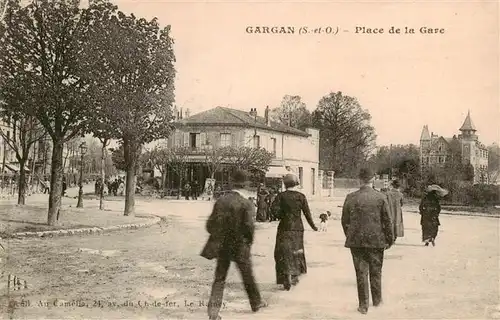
[[429, 229], [262, 212], [289, 255]]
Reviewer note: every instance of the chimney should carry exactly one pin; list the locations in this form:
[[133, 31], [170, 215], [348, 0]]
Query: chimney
[[187, 113], [290, 119], [180, 114], [266, 115], [253, 112]]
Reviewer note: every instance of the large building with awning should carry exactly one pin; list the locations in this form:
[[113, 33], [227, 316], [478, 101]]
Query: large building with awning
[[295, 151]]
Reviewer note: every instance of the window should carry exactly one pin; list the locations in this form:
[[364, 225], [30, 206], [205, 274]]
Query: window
[[193, 140], [301, 176], [225, 140], [273, 141], [256, 141]]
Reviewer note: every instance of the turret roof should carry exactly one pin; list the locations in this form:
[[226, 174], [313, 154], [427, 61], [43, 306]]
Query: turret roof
[[468, 125], [425, 134]]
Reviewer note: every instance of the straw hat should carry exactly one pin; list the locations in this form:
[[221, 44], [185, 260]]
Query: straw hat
[[439, 191]]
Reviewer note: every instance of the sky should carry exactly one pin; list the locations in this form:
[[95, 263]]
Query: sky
[[405, 81]]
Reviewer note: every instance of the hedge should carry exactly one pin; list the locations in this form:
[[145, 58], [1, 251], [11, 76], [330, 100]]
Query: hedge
[[465, 193]]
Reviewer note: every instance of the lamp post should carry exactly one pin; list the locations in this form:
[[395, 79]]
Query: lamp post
[[83, 150]]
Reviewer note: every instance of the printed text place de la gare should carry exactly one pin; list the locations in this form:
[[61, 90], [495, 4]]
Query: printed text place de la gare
[[357, 30]]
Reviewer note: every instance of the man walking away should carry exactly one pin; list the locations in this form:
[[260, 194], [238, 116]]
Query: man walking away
[[368, 230], [231, 229]]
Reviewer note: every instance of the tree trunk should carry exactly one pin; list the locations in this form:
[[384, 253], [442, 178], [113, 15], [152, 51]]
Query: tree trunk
[[130, 154], [55, 182], [21, 195], [163, 178], [103, 175]]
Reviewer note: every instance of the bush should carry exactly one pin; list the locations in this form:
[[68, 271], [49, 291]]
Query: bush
[[483, 195], [463, 193]]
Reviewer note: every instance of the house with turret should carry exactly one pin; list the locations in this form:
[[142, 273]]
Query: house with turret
[[436, 150]]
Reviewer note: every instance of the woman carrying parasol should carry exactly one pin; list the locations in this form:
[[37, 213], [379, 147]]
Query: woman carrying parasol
[[429, 210]]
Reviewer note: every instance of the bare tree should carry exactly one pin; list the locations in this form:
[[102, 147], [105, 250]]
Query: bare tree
[[178, 160], [292, 111], [26, 131], [247, 158], [215, 158]]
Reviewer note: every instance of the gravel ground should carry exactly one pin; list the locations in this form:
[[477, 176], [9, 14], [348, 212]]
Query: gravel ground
[[157, 273]]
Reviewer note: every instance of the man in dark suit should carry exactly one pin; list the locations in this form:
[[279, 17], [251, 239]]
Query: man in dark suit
[[232, 224], [368, 230]]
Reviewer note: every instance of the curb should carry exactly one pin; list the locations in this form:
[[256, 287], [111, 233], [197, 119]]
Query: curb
[[81, 231], [453, 213]]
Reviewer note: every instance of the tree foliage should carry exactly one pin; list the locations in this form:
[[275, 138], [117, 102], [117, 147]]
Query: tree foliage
[[346, 135], [292, 110], [493, 159], [130, 69], [41, 50], [24, 132]]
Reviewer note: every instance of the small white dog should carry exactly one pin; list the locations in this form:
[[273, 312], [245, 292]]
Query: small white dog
[[323, 225]]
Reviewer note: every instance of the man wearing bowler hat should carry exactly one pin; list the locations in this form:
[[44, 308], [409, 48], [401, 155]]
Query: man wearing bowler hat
[[368, 230], [231, 228]]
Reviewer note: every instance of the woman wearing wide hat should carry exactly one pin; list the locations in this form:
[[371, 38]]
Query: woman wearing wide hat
[[289, 255], [429, 210]]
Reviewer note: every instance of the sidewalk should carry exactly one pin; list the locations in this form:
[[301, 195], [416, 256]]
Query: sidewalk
[[31, 219]]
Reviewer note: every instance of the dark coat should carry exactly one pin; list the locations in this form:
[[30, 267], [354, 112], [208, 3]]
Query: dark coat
[[289, 252], [288, 207], [395, 200], [231, 227], [365, 219]]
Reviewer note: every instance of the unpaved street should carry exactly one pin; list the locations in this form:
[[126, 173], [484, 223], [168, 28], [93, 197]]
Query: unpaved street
[[157, 272]]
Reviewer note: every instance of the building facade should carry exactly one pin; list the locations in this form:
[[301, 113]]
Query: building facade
[[294, 150], [436, 150]]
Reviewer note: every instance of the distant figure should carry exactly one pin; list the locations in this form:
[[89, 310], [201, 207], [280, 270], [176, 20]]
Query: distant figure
[[395, 206], [210, 190], [97, 187], [187, 190], [194, 190], [64, 186], [217, 191], [368, 230], [262, 204], [121, 187], [46, 186], [231, 228], [114, 187], [429, 209], [270, 200]]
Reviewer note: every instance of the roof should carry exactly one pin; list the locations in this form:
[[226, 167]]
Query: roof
[[221, 116], [467, 125], [425, 134]]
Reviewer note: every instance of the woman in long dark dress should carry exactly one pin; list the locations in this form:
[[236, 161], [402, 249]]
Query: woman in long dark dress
[[262, 204], [429, 210], [289, 254]]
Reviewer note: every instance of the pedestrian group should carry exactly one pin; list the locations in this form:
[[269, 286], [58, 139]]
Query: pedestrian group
[[371, 220]]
